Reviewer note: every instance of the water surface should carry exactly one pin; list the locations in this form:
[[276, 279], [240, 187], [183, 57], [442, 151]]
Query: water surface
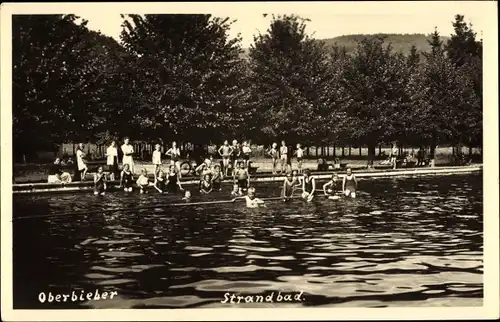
[[403, 242]]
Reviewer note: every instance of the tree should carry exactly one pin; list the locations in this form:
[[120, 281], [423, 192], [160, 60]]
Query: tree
[[290, 81], [462, 45], [190, 72], [375, 83], [413, 60], [445, 97]]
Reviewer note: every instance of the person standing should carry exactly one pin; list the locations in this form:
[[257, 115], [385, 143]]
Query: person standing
[[112, 161], [235, 155], [175, 153], [283, 156], [300, 155], [156, 158], [81, 162], [128, 151], [394, 155], [225, 152]]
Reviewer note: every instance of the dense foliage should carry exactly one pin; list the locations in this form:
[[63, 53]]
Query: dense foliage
[[182, 77]]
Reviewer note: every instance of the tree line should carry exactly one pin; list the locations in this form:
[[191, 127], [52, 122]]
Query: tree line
[[183, 78]]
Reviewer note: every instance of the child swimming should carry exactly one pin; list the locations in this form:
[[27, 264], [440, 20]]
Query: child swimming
[[160, 181], [126, 178], [187, 196], [99, 182], [236, 190], [252, 201], [349, 184], [308, 186], [330, 188], [206, 184], [143, 181]]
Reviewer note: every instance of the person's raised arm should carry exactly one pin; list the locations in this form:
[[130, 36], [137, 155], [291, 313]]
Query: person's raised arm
[[95, 177], [169, 152], [326, 185]]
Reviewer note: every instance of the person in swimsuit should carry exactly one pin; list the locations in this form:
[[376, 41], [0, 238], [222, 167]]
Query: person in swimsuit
[[225, 152], [330, 188], [217, 177], [187, 196], [206, 184], [296, 179], [274, 154], [308, 186], [99, 182], [126, 178], [288, 187], [283, 155], [160, 181], [349, 184], [243, 178], [81, 162], [128, 152], [173, 180], [236, 190], [57, 175], [156, 158], [235, 154], [175, 153], [143, 181], [300, 154], [246, 153], [112, 161], [252, 201], [394, 155]]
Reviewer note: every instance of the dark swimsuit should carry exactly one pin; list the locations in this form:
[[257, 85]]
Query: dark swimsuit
[[160, 183], [350, 184], [99, 184], [308, 185], [172, 182], [289, 188], [127, 179], [216, 182], [333, 188], [243, 182], [206, 186]]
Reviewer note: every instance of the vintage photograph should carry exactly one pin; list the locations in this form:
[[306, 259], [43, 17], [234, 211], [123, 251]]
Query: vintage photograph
[[260, 159]]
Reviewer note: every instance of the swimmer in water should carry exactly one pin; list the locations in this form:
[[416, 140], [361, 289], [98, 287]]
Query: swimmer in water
[[236, 190], [217, 177], [160, 181], [187, 196], [126, 178], [330, 188], [349, 184], [252, 201], [143, 181], [288, 187], [99, 182], [206, 184], [308, 186]]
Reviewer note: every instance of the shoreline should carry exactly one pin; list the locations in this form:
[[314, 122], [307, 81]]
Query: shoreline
[[37, 188]]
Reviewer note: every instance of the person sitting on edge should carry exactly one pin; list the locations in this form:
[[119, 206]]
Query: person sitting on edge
[[288, 187], [252, 201], [330, 188], [143, 181], [349, 184], [99, 182]]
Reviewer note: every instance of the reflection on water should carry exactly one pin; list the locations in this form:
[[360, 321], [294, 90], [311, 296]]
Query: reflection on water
[[403, 242]]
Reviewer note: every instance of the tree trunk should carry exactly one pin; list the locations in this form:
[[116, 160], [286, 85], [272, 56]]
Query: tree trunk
[[316, 148], [360, 150], [307, 151], [334, 151], [371, 155], [379, 149], [432, 154], [470, 151], [349, 150], [343, 152]]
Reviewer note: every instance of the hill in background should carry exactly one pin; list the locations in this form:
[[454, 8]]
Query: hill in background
[[400, 42]]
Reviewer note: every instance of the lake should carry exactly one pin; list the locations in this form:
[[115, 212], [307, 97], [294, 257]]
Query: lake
[[402, 242]]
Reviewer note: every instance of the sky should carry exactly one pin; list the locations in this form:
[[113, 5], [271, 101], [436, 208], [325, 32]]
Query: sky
[[326, 21]]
